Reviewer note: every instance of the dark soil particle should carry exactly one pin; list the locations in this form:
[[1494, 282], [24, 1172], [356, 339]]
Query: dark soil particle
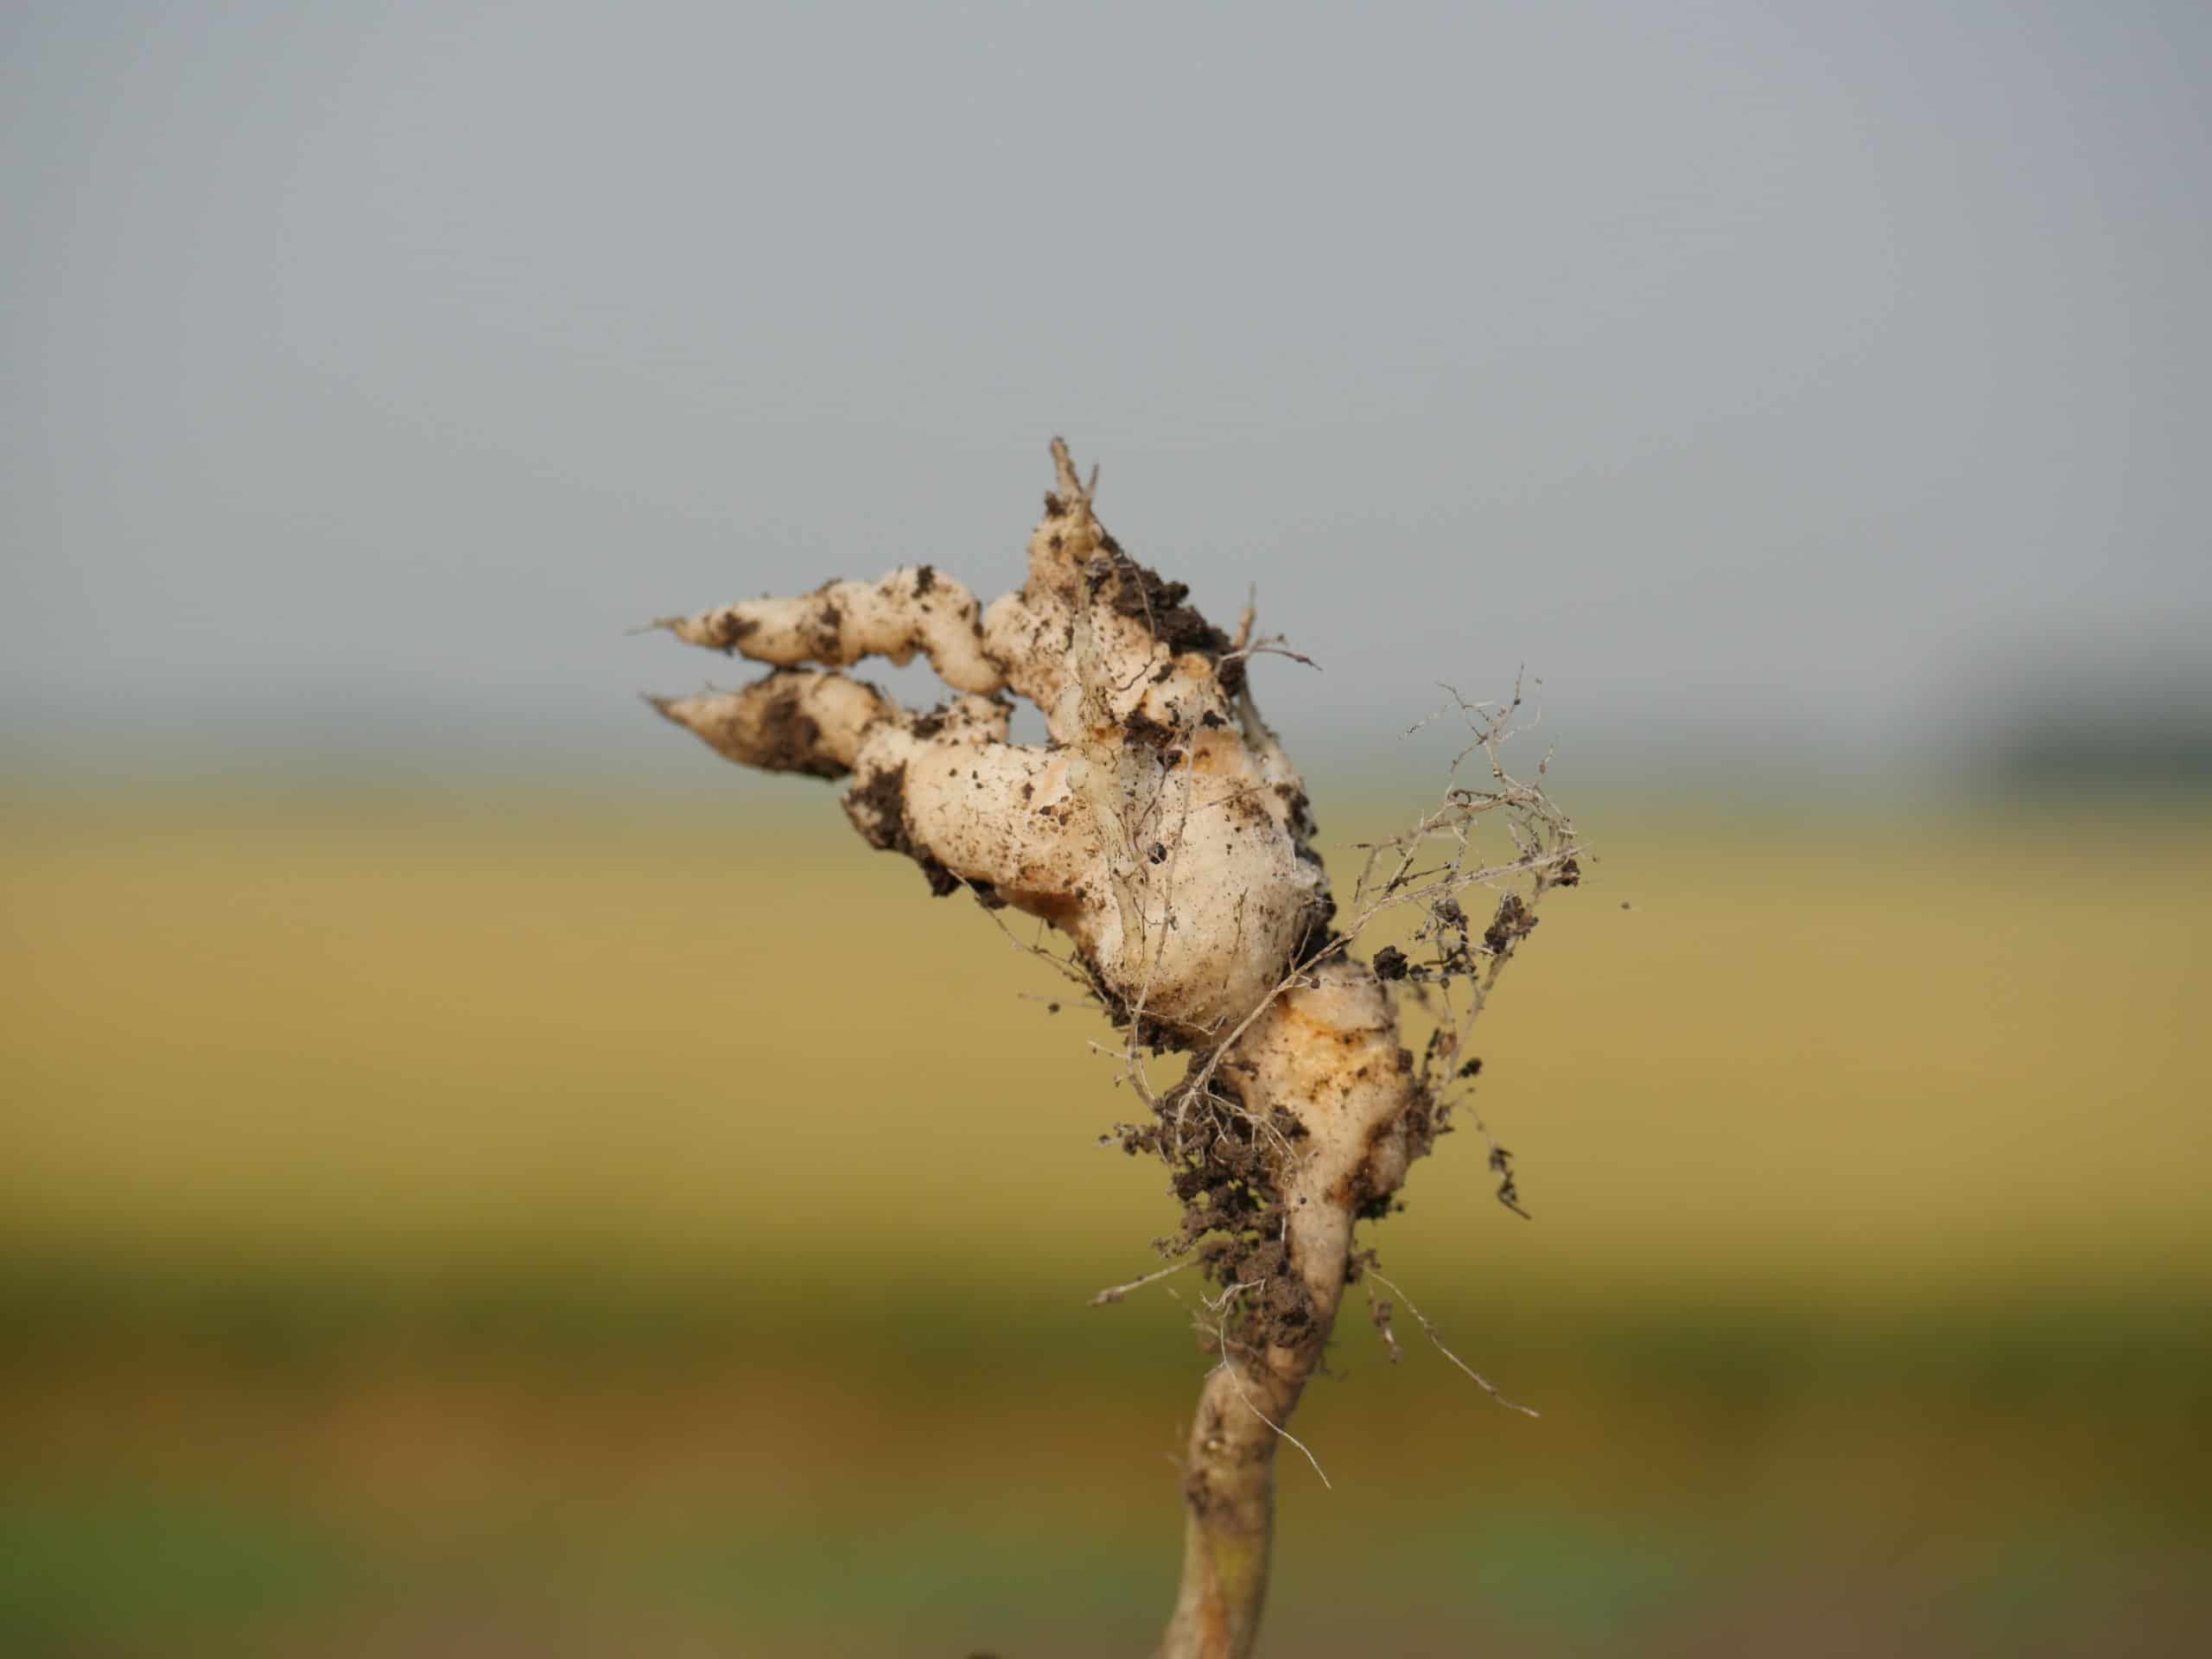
[[1318, 931], [1509, 1189], [1377, 1206], [1514, 922], [1197, 1492], [924, 579], [1143, 593], [1223, 1168], [1389, 963], [1154, 1034], [791, 740], [1143, 728], [877, 806]]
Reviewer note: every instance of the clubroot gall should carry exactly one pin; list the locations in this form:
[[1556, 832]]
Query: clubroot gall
[[1163, 831]]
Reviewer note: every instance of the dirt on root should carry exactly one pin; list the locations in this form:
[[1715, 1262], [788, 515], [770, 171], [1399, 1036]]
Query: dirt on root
[[1224, 1170], [1143, 594], [876, 804], [791, 739]]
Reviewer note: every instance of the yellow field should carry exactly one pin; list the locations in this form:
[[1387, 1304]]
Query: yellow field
[[505, 1224], [1870, 1051]]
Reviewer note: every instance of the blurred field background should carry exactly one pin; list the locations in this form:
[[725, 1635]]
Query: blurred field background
[[487, 1222], [479, 1178]]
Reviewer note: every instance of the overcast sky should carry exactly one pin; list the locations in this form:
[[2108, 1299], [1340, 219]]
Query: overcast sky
[[1751, 372]]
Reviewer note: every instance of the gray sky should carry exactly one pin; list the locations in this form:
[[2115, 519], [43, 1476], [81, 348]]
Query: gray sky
[[1794, 379]]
